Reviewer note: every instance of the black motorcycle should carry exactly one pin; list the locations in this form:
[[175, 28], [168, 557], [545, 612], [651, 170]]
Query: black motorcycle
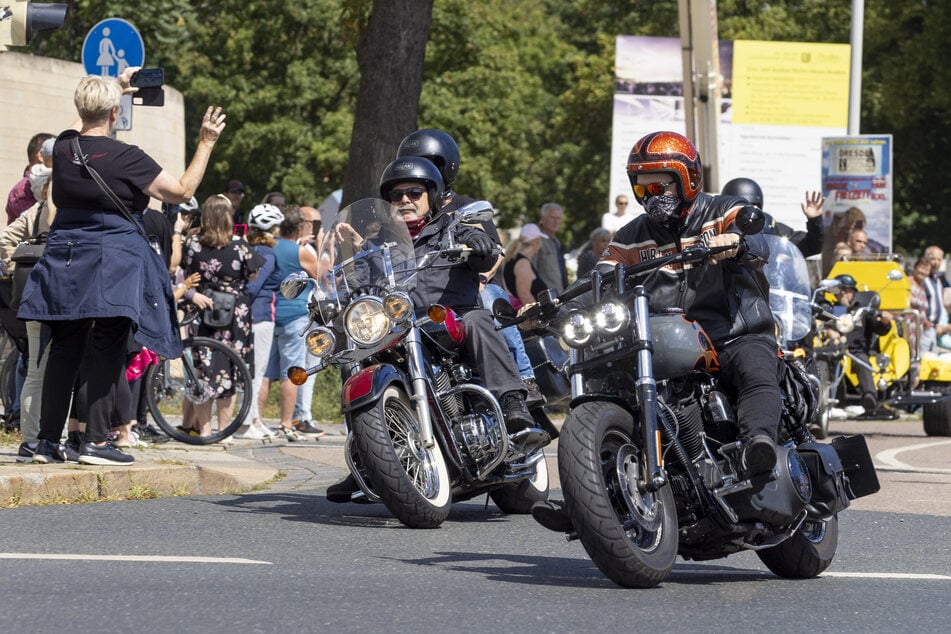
[[423, 431], [648, 455]]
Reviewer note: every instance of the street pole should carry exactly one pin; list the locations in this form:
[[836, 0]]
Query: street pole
[[855, 80]]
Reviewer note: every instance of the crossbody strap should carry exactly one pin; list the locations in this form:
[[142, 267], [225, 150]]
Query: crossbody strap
[[78, 152]]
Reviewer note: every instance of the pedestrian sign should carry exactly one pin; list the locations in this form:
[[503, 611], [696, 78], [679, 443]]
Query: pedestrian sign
[[112, 46]]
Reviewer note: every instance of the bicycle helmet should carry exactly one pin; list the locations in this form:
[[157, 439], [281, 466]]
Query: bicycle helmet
[[745, 188], [667, 152], [435, 146], [414, 168], [265, 217]]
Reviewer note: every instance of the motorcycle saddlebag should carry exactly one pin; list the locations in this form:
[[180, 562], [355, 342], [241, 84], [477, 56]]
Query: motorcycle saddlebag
[[857, 464], [830, 492]]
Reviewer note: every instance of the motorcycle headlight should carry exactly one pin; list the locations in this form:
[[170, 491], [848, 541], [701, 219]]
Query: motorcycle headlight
[[611, 317], [320, 341], [366, 321], [577, 329], [398, 306]]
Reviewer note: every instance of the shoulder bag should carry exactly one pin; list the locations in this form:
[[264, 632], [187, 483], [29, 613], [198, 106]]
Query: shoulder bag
[[221, 314]]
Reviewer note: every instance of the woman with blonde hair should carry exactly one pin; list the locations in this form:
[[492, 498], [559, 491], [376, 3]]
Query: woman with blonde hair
[[521, 278], [99, 279], [225, 265]]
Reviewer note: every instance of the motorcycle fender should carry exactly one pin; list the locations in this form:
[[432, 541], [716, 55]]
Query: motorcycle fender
[[605, 398], [367, 386]]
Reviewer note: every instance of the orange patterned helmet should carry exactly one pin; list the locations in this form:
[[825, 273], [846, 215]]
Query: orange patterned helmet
[[667, 152]]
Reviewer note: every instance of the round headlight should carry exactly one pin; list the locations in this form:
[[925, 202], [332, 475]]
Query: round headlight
[[398, 306], [320, 341], [611, 317], [366, 321], [577, 329]]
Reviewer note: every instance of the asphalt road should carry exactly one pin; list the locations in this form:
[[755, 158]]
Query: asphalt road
[[288, 560]]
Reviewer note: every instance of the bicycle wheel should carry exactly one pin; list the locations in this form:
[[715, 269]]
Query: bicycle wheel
[[174, 385]]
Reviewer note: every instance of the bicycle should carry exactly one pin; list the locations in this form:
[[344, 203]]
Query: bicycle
[[173, 384]]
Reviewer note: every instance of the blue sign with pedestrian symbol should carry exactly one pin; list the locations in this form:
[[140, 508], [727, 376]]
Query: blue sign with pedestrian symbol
[[112, 46]]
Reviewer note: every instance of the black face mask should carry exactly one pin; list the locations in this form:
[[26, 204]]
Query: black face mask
[[664, 210]]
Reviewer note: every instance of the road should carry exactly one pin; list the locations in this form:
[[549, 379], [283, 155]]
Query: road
[[288, 560]]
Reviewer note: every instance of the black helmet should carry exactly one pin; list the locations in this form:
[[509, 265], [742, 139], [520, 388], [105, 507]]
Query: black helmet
[[436, 146], [846, 281], [745, 188], [414, 168]]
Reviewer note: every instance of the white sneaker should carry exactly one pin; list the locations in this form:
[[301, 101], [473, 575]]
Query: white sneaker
[[837, 413], [854, 410], [254, 432]]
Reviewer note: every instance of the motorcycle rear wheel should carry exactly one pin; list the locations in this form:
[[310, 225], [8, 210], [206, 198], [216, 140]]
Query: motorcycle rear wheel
[[518, 498], [412, 481], [630, 535], [807, 553]]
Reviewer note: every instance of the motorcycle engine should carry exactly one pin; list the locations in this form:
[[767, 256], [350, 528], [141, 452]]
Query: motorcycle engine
[[477, 434]]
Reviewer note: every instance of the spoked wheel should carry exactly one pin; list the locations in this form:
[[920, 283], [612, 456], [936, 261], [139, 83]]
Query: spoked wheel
[[807, 553], [518, 498], [175, 386], [629, 533], [412, 481]]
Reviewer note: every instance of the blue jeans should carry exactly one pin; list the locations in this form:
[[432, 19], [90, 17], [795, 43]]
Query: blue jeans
[[513, 338]]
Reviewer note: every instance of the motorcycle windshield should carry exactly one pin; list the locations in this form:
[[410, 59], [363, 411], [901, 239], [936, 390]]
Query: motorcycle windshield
[[363, 245], [788, 288]]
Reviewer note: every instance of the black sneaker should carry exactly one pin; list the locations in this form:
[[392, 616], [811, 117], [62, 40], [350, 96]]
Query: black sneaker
[[340, 493], [26, 451], [533, 396], [308, 429], [106, 454], [47, 452], [75, 440], [150, 434]]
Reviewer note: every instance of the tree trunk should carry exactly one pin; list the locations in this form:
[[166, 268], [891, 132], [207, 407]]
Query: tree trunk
[[390, 57]]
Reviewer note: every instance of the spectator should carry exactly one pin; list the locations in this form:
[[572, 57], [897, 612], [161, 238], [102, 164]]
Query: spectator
[[98, 268], [275, 198], [600, 239], [920, 302], [520, 276], [550, 259], [234, 192], [38, 151], [614, 220], [290, 316], [226, 266], [262, 223], [858, 242]]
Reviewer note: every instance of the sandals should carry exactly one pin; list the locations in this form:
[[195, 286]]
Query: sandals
[[289, 434]]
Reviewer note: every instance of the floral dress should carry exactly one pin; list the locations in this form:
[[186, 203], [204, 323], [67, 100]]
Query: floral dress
[[226, 269]]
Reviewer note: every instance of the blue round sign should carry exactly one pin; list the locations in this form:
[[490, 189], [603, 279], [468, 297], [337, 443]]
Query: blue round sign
[[112, 46]]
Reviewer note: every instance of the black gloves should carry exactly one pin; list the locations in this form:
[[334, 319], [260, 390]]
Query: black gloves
[[481, 244]]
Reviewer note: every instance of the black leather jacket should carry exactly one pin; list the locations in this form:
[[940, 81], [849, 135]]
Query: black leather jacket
[[729, 298]]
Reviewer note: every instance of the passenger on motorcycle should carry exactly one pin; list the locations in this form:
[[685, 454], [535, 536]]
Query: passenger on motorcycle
[[727, 296]]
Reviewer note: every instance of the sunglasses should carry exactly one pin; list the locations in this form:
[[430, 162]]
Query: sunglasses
[[624, 204], [654, 189], [413, 193]]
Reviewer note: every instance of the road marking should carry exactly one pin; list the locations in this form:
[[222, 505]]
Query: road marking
[[143, 558], [887, 575], [889, 457]]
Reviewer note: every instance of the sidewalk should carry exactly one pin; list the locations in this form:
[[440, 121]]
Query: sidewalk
[[177, 469]]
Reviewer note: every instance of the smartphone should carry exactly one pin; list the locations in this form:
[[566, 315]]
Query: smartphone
[[148, 78], [240, 230]]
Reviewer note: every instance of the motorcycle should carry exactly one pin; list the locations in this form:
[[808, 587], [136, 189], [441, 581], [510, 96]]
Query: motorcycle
[[648, 455], [422, 430]]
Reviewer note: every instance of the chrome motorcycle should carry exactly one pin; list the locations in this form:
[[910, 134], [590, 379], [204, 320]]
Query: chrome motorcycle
[[649, 456], [422, 430]]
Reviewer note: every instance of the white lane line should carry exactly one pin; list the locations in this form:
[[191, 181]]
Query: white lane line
[[143, 558], [887, 575], [889, 457]]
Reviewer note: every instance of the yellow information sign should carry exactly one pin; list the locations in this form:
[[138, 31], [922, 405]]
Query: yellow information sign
[[791, 83]]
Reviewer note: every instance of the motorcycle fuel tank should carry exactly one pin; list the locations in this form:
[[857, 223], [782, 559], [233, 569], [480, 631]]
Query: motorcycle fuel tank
[[680, 346]]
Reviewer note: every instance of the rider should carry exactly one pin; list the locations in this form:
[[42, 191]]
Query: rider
[[727, 296], [809, 242], [863, 338], [441, 150], [414, 187]]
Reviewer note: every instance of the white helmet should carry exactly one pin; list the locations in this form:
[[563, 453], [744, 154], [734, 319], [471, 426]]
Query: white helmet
[[265, 217]]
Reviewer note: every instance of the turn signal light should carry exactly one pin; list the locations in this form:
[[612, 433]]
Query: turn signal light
[[437, 313], [297, 375]]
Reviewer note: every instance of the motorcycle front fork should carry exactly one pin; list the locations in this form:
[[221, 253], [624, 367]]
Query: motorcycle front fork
[[419, 392]]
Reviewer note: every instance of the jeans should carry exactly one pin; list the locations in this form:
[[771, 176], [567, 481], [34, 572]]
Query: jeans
[[513, 338], [749, 368], [263, 333]]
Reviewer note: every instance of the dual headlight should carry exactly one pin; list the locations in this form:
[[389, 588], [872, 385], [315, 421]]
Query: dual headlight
[[607, 318], [367, 321]]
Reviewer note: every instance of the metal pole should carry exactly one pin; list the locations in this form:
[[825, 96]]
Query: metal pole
[[855, 83]]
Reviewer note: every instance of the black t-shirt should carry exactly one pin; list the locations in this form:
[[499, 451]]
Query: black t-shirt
[[126, 169]]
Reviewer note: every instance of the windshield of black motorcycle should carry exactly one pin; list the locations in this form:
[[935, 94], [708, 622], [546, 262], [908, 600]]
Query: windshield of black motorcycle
[[789, 290], [364, 245]]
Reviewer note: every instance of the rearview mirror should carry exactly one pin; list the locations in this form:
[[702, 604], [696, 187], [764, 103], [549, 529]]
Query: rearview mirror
[[295, 284], [750, 220], [478, 211]]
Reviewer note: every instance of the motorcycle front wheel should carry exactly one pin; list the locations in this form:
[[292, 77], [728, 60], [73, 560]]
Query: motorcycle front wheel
[[807, 553], [412, 481], [629, 533], [518, 498]]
